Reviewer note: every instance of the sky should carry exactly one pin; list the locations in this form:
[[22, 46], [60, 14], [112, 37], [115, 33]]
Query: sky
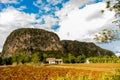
[[70, 19]]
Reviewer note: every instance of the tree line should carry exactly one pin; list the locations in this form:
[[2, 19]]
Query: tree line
[[67, 58]]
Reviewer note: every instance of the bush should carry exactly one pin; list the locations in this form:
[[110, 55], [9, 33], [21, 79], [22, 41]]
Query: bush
[[0, 61], [105, 59], [35, 58]]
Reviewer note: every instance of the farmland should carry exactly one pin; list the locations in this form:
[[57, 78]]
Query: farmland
[[95, 71]]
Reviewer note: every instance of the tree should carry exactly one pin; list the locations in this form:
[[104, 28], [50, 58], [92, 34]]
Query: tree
[[26, 59], [105, 36], [19, 59], [35, 58], [115, 6], [83, 58], [8, 61], [65, 60], [0, 60], [110, 35], [44, 57], [80, 59], [71, 58]]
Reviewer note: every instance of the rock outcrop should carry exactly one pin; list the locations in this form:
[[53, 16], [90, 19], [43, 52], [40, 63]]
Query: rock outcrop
[[29, 40]]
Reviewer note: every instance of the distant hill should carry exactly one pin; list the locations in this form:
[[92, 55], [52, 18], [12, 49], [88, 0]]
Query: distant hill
[[88, 49], [29, 40]]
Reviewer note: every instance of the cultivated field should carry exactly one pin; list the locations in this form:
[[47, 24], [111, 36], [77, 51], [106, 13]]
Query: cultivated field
[[59, 72]]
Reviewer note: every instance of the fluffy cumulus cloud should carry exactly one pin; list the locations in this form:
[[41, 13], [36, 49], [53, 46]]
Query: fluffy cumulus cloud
[[11, 16], [83, 24], [70, 6], [48, 6], [46, 22], [53, 2], [11, 19]]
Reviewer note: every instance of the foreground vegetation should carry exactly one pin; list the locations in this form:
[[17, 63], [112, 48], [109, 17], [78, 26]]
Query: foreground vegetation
[[93, 71], [68, 58]]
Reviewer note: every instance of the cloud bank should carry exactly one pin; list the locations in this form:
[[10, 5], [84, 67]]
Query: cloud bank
[[83, 24]]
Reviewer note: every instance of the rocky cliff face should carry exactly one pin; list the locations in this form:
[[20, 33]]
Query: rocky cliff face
[[29, 40], [26, 40]]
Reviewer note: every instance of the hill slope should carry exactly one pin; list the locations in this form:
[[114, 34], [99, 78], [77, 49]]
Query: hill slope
[[29, 40], [88, 49]]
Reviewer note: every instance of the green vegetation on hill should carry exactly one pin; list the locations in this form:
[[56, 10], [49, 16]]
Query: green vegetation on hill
[[35, 45], [82, 48]]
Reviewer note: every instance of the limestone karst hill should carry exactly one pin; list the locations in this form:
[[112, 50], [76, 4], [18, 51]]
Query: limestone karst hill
[[30, 40]]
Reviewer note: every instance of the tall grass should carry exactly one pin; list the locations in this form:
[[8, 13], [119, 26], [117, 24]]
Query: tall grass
[[115, 76]]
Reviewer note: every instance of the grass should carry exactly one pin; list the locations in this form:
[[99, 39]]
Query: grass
[[97, 71], [115, 76]]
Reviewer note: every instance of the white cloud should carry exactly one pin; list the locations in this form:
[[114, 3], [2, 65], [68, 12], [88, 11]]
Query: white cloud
[[49, 22], [77, 24], [42, 6], [47, 6], [70, 6], [22, 8], [54, 2], [9, 1], [11, 19], [39, 1], [11, 16]]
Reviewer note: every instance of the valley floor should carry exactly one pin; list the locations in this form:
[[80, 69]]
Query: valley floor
[[58, 72]]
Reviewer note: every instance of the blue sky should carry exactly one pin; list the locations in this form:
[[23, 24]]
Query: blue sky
[[30, 5], [36, 7], [70, 19]]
